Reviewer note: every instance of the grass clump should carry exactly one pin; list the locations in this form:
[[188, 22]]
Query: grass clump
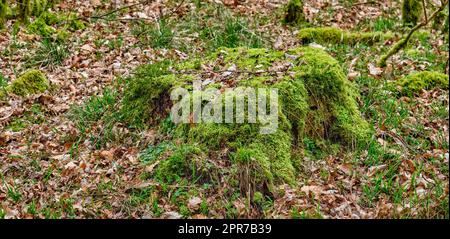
[[424, 80], [49, 53], [157, 35], [209, 27], [30, 82], [98, 108], [333, 35], [316, 102]]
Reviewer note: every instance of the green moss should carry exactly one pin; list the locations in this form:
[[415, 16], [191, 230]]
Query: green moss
[[411, 12], [424, 80], [144, 91], [333, 96], [40, 27], [294, 12], [45, 25], [445, 28], [254, 168], [31, 82], [315, 100], [332, 35]]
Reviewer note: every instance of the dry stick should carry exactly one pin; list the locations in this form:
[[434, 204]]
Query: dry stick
[[131, 19], [364, 3], [111, 12], [403, 42]]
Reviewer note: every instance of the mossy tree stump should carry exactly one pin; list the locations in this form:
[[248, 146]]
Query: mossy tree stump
[[316, 102]]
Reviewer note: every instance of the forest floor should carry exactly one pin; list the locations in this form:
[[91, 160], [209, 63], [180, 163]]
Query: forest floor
[[46, 171]]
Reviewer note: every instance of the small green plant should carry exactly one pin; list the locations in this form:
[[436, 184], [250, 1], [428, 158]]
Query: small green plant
[[115, 43], [47, 175], [3, 81], [13, 194], [30, 117], [50, 53], [204, 207], [31, 209], [95, 108], [40, 27]]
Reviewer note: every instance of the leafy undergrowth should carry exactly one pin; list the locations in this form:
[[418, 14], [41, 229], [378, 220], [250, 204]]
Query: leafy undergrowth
[[73, 152]]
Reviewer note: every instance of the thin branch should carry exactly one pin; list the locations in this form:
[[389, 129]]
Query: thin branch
[[404, 41], [117, 10], [425, 11], [102, 16], [368, 2]]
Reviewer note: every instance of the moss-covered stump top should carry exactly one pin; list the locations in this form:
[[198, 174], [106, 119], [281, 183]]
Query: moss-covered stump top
[[316, 103], [30, 82], [424, 80], [333, 35]]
